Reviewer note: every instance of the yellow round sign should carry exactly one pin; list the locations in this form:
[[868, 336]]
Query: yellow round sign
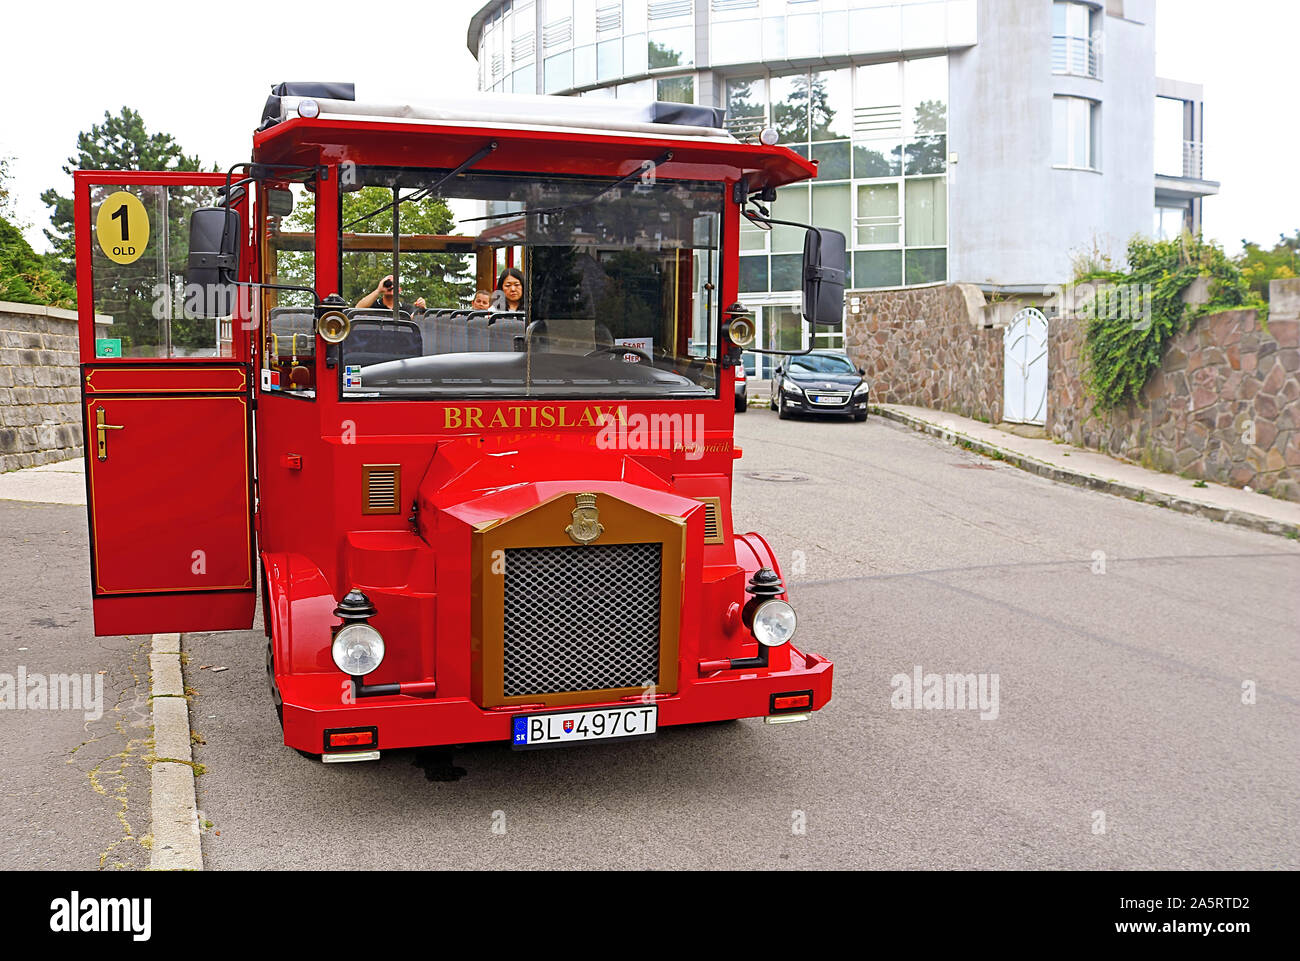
[[122, 227]]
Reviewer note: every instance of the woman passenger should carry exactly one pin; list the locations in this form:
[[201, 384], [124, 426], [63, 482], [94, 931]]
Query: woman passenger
[[509, 294]]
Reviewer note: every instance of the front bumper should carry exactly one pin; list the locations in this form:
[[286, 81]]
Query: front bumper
[[804, 404], [312, 705]]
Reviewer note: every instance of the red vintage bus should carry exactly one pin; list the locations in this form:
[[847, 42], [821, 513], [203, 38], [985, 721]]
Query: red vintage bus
[[466, 523]]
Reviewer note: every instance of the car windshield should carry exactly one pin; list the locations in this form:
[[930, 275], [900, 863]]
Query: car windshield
[[529, 286], [823, 364]]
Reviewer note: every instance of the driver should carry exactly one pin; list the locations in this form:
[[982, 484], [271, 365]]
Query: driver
[[381, 298]]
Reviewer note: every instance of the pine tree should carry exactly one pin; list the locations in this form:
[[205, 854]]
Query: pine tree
[[121, 142]]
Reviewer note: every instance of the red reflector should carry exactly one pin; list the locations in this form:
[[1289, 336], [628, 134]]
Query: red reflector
[[791, 701], [352, 739]]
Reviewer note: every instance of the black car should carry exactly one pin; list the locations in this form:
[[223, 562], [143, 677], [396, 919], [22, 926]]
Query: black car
[[821, 382]]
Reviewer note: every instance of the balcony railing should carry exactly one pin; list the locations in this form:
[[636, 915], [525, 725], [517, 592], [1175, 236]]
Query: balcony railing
[[1193, 159], [1080, 56]]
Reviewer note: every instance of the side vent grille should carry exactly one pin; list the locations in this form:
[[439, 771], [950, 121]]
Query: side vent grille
[[712, 519], [381, 486]]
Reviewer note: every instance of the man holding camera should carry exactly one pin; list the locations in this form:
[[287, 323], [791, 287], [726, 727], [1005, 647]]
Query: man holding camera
[[381, 298]]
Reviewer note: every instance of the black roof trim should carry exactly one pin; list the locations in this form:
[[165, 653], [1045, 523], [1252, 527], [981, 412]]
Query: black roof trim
[[308, 88]]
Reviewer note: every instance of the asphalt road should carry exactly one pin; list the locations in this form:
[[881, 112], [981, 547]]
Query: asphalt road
[[74, 783], [1121, 636]]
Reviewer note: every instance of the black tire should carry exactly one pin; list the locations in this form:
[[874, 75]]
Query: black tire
[[276, 700], [741, 406], [860, 416], [782, 411]]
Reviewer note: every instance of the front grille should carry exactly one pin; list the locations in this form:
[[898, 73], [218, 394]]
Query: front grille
[[581, 618]]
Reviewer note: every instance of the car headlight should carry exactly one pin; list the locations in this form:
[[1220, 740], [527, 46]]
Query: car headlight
[[790, 387], [774, 623], [861, 389], [358, 649]]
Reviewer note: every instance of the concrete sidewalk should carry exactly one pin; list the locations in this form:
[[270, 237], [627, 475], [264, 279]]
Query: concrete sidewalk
[[60, 483], [1085, 468]]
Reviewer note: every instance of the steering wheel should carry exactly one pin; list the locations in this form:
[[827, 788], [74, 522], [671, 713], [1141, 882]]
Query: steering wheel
[[615, 350]]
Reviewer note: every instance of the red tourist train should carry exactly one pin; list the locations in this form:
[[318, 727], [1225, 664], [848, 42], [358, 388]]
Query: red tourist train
[[451, 388]]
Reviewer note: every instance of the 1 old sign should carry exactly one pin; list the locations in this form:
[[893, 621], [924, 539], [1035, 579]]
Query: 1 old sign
[[122, 227]]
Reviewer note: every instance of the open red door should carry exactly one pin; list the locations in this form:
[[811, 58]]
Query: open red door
[[166, 407]]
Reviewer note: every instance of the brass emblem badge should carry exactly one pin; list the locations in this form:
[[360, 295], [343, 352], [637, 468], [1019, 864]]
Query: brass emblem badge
[[586, 526]]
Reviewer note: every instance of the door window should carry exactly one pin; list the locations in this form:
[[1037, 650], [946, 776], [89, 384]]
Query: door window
[[139, 255]]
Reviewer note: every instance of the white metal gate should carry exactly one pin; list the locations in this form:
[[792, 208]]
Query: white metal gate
[[1024, 385]]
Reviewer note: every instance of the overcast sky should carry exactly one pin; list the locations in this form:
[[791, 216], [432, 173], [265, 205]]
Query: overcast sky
[[205, 82]]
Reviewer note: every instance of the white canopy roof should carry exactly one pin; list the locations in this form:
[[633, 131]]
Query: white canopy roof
[[514, 111]]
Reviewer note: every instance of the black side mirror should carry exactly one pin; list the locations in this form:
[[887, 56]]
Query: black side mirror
[[215, 233], [825, 263], [279, 202]]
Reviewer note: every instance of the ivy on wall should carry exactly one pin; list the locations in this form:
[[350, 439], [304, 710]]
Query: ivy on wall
[[1124, 348]]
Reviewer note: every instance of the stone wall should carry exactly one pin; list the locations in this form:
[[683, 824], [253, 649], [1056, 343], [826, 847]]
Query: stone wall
[[1224, 405], [930, 347], [40, 407]]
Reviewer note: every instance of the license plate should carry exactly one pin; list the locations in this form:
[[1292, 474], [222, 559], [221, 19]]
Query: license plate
[[824, 399], [597, 724]]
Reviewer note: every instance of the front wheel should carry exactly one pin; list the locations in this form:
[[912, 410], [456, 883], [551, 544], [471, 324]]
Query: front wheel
[[782, 409], [860, 416]]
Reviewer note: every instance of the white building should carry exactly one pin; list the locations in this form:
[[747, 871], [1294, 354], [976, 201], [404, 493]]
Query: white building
[[981, 141]]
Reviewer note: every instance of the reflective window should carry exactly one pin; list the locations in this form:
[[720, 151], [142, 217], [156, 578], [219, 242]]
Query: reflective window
[[139, 256], [676, 89], [831, 105], [1074, 124], [557, 72], [926, 212], [609, 60], [671, 48], [1075, 48], [615, 294], [878, 219]]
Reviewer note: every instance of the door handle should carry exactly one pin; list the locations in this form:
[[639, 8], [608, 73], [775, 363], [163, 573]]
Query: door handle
[[101, 437]]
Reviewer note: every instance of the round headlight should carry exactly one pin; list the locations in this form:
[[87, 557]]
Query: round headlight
[[768, 136], [774, 623], [309, 109], [358, 649]]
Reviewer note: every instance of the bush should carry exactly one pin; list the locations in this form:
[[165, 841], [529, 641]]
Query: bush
[[1123, 351], [25, 276]]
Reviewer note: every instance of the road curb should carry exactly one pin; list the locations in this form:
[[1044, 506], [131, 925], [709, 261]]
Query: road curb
[[174, 810], [1184, 505]]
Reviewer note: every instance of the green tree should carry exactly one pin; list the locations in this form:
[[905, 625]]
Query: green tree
[[6, 199], [121, 142], [1259, 266], [25, 276]]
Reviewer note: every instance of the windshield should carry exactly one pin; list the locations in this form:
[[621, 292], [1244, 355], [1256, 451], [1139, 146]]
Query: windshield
[[527, 286], [824, 364]]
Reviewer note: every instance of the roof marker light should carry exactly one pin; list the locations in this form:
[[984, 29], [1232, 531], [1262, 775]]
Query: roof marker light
[[768, 136], [309, 109]]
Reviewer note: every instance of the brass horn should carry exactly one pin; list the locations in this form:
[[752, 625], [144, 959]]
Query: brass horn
[[333, 326]]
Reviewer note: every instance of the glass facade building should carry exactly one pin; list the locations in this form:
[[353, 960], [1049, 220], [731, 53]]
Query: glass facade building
[[860, 86]]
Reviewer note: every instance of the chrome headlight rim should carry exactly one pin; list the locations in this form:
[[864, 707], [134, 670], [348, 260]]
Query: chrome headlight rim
[[761, 625], [346, 643]]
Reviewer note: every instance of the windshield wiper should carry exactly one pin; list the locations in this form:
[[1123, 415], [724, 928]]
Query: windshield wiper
[[425, 192], [578, 203]]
